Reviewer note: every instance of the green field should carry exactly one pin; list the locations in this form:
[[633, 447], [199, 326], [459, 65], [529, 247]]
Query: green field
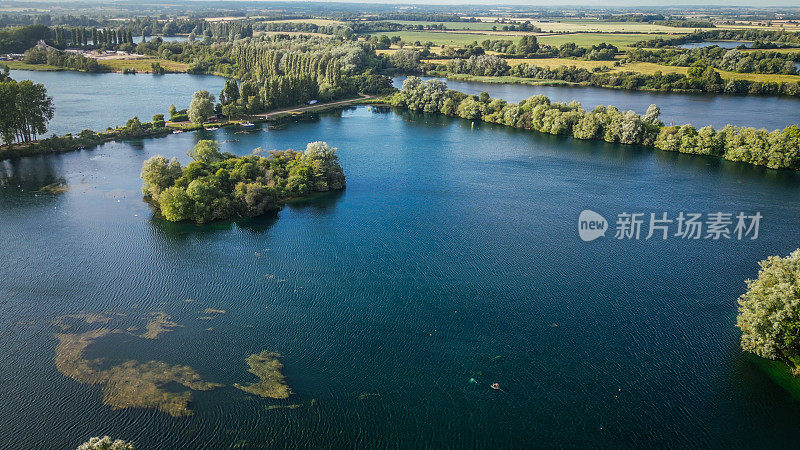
[[18, 65], [561, 26], [589, 39], [475, 26], [143, 64], [581, 39]]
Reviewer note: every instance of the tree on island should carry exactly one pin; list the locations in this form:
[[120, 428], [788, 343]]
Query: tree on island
[[218, 185], [105, 443], [769, 312], [202, 106]]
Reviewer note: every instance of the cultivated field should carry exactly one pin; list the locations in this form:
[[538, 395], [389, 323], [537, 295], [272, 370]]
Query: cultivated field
[[463, 38]]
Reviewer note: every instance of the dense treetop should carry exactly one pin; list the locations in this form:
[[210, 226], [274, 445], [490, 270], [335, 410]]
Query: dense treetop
[[218, 185], [769, 312]]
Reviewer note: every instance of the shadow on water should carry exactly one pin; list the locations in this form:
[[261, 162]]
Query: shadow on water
[[713, 164], [31, 173], [320, 202]]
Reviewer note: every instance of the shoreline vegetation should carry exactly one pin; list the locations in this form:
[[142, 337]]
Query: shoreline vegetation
[[89, 139], [220, 186], [778, 149]]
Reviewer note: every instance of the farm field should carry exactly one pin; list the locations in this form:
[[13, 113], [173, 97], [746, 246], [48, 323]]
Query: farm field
[[321, 22], [581, 39], [545, 62]]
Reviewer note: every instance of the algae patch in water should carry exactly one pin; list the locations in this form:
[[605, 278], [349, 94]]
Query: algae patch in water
[[159, 324], [62, 321], [267, 367], [132, 384], [55, 188]]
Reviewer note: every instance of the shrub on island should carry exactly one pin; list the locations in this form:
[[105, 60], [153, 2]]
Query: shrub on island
[[218, 185]]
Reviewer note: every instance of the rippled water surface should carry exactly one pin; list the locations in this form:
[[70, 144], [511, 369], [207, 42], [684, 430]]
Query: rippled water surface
[[678, 109], [452, 255]]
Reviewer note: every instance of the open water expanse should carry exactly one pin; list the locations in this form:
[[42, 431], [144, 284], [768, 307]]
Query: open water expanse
[[450, 262]]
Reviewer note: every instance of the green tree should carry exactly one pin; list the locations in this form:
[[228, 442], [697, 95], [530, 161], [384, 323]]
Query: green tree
[[527, 45], [158, 174], [230, 93], [175, 204], [206, 151], [105, 443], [202, 106], [769, 312]]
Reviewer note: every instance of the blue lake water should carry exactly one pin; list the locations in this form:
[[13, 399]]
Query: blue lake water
[[97, 101], [678, 109], [452, 255]]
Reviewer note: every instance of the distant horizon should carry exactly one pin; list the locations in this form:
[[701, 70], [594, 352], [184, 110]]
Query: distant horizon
[[601, 4]]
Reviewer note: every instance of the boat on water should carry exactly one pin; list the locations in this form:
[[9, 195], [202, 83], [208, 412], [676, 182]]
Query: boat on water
[[177, 131], [246, 125], [212, 129]]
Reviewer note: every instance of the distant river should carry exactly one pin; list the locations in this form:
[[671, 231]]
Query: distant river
[[450, 262], [722, 44], [101, 100], [697, 109]]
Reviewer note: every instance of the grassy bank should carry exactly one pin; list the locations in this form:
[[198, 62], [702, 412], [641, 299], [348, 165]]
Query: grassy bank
[[143, 65], [19, 65]]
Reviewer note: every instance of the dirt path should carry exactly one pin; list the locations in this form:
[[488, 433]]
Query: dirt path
[[312, 107]]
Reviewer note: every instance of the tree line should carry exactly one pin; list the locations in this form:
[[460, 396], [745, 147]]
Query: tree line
[[733, 60], [779, 149], [782, 37], [699, 77], [58, 58]]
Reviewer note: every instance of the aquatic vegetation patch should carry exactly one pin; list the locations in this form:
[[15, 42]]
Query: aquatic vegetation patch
[[55, 188], [292, 406], [62, 321], [70, 358], [159, 324], [132, 384], [272, 382]]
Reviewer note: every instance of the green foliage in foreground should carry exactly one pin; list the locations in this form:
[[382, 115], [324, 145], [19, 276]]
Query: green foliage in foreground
[[777, 149], [769, 312], [105, 443], [25, 109], [217, 185]]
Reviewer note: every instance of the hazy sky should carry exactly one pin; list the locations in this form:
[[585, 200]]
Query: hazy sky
[[534, 3], [591, 3]]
